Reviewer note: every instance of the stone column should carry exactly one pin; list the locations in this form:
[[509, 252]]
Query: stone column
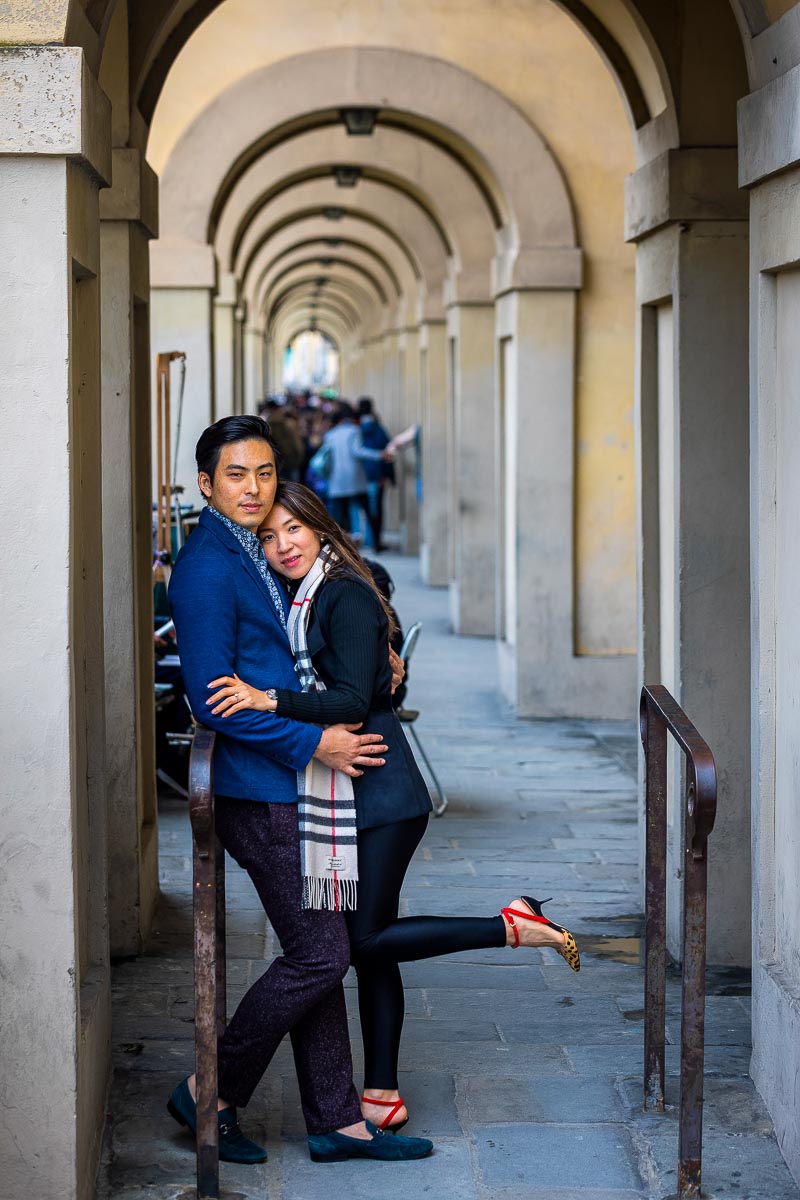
[[254, 388], [410, 414], [388, 403], [225, 304], [54, 989], [435, 501], [686, 214], [541, 673], [471, 473], [183, 281], [769, 165], [129, 212], [238, 359]]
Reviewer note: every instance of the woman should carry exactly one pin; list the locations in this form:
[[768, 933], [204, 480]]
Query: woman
[[339, 628]]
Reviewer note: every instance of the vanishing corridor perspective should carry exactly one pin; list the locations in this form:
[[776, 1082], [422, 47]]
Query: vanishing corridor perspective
[[556, 243]]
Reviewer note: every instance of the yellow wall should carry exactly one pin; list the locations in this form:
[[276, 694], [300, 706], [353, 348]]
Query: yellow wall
[[776, 8], [540, 59]]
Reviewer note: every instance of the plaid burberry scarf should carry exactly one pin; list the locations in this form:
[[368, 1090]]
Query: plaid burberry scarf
[[326, 807]]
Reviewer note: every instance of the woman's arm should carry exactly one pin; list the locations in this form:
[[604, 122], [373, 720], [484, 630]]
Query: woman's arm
[[351, 621]]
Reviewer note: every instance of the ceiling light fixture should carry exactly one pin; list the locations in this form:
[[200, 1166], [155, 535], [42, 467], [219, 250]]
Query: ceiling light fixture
[[360, 122], [347, 177]]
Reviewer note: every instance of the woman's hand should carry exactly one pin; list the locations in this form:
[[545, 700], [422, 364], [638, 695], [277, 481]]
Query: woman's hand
[[235, 696], [398, 669]]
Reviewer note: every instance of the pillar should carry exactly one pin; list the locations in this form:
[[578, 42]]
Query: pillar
[[129, 214], [410, 476], [225, 305], [689, 221], [54, 992], [183, 281], [254, 388], [541, 672], [471, 468], [435, 500], [769, 144]]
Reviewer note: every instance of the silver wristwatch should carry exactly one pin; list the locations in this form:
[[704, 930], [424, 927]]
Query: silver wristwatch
[[271, 694]]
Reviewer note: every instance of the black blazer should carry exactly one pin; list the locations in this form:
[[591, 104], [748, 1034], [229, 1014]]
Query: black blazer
[[348, 640]]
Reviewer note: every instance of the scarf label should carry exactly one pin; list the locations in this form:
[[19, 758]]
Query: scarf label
[[335, 862]]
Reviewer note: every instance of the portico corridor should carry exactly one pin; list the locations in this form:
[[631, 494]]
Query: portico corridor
[[527, 1077]]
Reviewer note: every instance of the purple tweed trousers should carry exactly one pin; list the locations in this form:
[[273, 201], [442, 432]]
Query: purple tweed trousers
[[301, 993]]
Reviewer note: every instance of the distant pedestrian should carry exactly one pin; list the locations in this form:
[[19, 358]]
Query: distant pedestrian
[[380, 474], [347, 479]]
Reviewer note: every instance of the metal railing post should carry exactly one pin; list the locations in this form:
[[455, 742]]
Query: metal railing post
[[659, 715], [654, 738], [208, 879]]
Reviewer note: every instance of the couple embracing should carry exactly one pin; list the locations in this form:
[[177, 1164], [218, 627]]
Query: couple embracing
[[284, 644]]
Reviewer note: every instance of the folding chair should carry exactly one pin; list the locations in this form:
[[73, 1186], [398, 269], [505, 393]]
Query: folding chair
[[407, 716]]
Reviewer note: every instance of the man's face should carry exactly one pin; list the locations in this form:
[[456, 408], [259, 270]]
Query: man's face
[[243, 488]]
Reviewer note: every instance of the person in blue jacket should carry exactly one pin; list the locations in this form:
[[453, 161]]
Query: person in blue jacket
[[230, 617]]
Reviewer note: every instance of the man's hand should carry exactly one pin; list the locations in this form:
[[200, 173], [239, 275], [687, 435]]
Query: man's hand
[[398, 669], [342, 749]]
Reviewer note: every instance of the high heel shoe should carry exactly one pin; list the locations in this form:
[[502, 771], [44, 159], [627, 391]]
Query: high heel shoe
[[386, 1125], [569, 951]]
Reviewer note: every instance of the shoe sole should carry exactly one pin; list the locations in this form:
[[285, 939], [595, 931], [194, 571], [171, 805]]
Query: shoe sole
[[343, 1156]]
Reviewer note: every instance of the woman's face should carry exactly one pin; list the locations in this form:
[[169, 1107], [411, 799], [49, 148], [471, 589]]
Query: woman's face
[[290, 546]]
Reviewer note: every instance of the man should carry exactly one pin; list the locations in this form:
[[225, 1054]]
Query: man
[[380, 474], [347, 482], [230, 616]]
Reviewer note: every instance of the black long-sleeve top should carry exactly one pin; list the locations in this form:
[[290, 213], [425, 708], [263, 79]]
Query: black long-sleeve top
[[348, 641]]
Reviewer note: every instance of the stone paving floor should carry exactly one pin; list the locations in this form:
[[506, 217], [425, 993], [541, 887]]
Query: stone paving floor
[[527, 1076]]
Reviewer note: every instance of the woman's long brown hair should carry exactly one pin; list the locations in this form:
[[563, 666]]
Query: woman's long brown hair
[[306, 505]]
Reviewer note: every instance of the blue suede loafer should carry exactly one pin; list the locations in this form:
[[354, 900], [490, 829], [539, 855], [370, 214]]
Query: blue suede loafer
[[233, 1145], [387, 1147]]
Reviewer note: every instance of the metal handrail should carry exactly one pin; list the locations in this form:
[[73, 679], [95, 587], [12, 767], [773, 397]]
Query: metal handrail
[[660, 714], [208, 887]]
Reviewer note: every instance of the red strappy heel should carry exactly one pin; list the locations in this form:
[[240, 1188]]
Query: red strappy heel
[[569, 951], [395, 1105]]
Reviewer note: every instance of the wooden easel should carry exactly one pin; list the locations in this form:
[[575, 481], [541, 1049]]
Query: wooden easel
[[164, 471]]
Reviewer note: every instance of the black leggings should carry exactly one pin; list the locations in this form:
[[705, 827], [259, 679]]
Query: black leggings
[[379, 941]]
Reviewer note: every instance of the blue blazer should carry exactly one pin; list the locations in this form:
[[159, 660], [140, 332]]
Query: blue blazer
[[225, 621]]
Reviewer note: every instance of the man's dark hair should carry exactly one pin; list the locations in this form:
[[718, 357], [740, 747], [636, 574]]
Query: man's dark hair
[[223, 433], [343, 412], [365, 407]]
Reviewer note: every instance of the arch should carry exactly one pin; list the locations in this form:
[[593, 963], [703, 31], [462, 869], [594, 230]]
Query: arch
[[349, 231], [445, 190], [495, 139], [302, 309], [320, 211], [334, 298], [333, 284], [357, 255], [388, 210], [617, 27], [265, 282]]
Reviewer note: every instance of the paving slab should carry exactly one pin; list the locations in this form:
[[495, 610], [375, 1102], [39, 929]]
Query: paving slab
[[526, 1075]]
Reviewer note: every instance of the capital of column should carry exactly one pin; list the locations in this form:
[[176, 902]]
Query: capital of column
[[54, 107], [542, 268], [696, 184], [180, 264], [133, 195], [769, 129], [226, 296], [471, 286]]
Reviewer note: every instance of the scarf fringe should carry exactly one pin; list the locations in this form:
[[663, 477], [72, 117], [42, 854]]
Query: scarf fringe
[[338, 895]]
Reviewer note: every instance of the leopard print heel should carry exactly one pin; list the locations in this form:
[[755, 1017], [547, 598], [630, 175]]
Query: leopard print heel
[[570, 952]]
